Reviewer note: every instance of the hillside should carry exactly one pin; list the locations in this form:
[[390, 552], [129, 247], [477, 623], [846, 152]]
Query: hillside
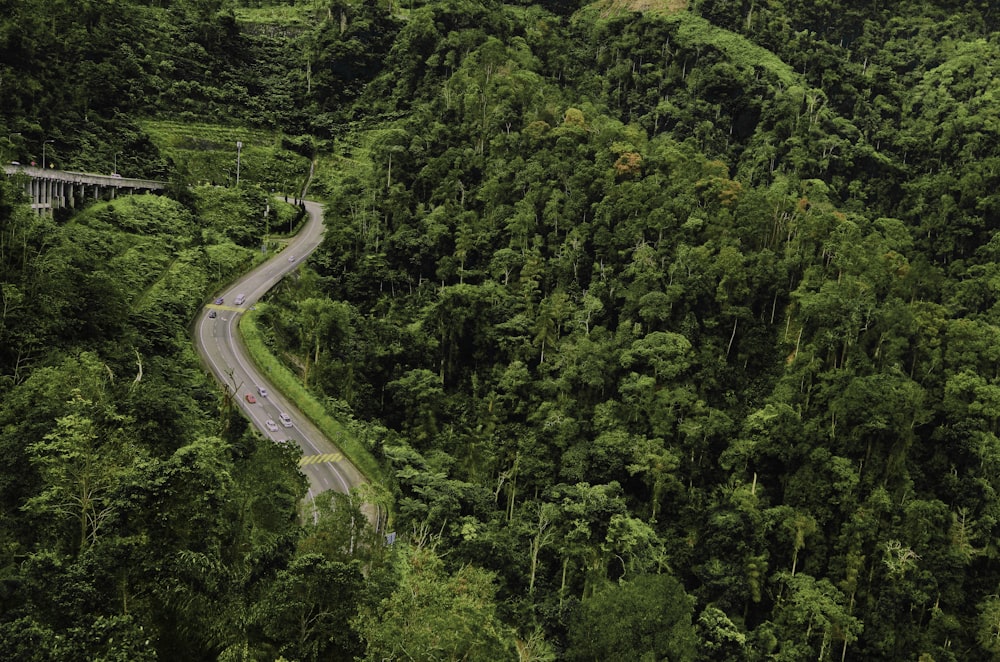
[[672, 325]]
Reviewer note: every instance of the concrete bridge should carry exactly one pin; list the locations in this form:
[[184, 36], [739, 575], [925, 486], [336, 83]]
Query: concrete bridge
[[50, 189]]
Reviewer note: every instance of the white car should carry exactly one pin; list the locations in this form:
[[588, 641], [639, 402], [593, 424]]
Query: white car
[[261, 391], [285, 419], [271, 425]]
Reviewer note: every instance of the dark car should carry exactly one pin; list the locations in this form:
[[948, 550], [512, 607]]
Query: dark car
[[213, 314], [219, 301]]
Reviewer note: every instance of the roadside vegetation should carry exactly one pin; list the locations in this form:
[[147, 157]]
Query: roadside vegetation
[[290, 384]]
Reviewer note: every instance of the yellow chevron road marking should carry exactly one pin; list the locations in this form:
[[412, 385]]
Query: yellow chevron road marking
[[320, 459], [234, 309]]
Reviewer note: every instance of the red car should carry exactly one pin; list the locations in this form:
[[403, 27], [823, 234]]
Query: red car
[[251, 399]]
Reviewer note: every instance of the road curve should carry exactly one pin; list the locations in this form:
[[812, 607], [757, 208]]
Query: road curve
[[222, 351]]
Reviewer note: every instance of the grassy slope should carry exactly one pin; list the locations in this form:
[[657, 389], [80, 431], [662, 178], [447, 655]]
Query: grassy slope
[[208, 153], [694, 29], [276, 17]]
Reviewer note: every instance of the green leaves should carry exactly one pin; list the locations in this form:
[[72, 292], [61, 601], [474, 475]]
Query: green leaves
[[818, 616], [81, 473], [652, 620], [446, 616], [309, 607], [667, 354]]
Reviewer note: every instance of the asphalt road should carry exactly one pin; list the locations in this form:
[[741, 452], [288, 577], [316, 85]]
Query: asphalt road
[[222, 351]]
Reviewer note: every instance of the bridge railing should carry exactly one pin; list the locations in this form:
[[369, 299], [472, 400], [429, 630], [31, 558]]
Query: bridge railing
[[94, 179]]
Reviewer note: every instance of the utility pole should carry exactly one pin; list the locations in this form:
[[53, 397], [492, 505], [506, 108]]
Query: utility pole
[[267, 228]]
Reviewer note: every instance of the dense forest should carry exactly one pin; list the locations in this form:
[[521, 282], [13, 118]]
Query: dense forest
[[672, 325]]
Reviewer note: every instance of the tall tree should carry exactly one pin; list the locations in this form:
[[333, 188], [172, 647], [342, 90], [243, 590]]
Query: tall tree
[[436, 614], [652, 620], [82, 466]]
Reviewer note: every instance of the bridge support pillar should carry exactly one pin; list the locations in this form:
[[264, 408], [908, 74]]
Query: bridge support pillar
[[38, 195], [53, 189]]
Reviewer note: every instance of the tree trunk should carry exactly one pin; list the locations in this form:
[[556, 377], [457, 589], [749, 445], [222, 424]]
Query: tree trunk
[[732, 337], [562, 585], [535, 547], [315, 356], [512, 491]]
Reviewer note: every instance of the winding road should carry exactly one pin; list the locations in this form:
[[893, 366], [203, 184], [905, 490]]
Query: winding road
[[222, 350]]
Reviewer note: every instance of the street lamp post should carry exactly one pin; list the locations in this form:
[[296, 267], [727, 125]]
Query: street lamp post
[[115, 171], [239, 148], [44, 143], [267, 228]]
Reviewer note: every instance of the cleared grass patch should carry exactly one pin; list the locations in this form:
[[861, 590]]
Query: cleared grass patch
[[207, 154], [286, 382], [610, 8], [278, 16], [177, 134], [693, 29]]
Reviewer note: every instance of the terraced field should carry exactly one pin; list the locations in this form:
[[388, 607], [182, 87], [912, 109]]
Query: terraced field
[[207, 153], [180, 135]]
